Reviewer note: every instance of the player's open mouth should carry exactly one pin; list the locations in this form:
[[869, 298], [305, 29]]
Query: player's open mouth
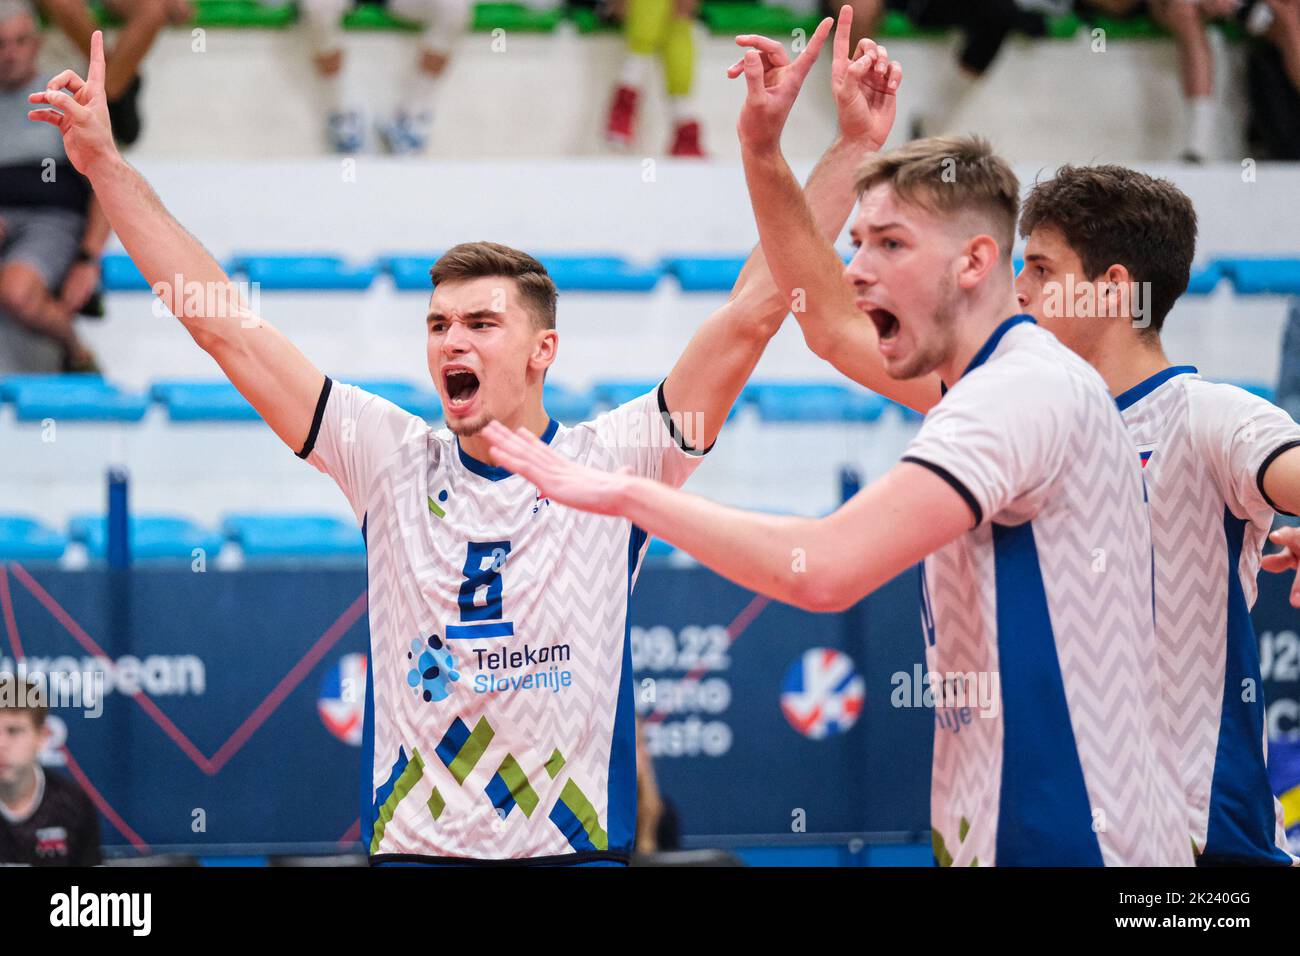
[[886, 323], [462, 386]]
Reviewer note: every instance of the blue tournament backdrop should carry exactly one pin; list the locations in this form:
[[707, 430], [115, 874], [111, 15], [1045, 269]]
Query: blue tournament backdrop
[[232, 702]]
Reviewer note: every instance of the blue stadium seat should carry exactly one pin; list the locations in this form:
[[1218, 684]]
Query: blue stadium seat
[[188, 401], [25, 539], [290, 273], [289, 536], [814, 402], [10, 384], [1261, 276], [119, 274], [1205, 280], [659, 550], [600, 274], [567, 406], [410, 272], [153, 537], [907, 414], [76, 398], [616, 392], [423, 402], [705, 273]]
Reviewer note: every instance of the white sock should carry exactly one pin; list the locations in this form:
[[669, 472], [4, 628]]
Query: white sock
[[636, 67], [681, 109], [424, 92], [332, 92], [1201, 116]]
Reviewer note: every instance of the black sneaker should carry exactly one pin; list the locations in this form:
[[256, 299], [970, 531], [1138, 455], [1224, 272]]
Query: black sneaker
[[124, 113]]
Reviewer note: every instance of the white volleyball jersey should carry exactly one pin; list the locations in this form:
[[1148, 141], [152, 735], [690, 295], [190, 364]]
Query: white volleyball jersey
[[499, 721], [1051, 745], [1204, 448]]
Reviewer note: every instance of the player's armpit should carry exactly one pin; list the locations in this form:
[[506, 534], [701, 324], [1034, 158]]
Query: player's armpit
[[1279, 479]]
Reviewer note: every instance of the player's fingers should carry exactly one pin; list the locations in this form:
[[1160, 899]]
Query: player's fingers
[[95, 75], [864, 45], [53, 117], [843, 27], [61, 101], [735, 69], [69, 80], [1277, 563], [895, 77], [754, 74], [774, 49], [1295, 591], [809, 56]]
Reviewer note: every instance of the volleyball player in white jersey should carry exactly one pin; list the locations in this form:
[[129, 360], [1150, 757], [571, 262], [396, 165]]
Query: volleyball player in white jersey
[[500, 712], [1218, 460], [1021, 495]]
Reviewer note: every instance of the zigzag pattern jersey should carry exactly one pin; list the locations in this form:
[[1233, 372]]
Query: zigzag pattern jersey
[[1051, 742], [499, 721], [1204, 448]]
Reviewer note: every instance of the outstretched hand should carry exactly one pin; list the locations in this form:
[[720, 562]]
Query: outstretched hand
[[1288, 559], [564, 482], [80, 111], [865, 87], [773, 82]]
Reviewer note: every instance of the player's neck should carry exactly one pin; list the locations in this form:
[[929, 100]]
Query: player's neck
[[1125, 360], [536, 420], [975, 330], [18, 797]]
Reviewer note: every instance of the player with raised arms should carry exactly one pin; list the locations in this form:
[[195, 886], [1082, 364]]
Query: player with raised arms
[[499, 710], [1021, 494]]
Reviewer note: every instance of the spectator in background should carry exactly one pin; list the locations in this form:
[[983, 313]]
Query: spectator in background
[[52, 231], [985, 26], [657, 827], [406, 132], [662, 29], [141, 21], [45, 818], [1277, 21]]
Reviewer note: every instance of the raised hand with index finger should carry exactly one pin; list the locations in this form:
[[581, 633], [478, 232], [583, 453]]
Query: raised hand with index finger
[[865, 87], [773, 83], [80, 111]]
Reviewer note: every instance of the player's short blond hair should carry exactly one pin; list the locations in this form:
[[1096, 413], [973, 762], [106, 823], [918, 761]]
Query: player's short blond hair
[[474, 260], [947, 175]]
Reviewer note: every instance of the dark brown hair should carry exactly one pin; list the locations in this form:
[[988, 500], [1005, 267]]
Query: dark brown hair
[[1111, 215], [24, 700], [950, 174], [473, 260]]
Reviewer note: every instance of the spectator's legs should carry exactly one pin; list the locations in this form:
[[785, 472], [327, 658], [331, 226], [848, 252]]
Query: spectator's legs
[[444, 21], [1285, 35], [141, 21], [645, 24], [1196, 64], [344, 121], [23, 296], [678, 55]]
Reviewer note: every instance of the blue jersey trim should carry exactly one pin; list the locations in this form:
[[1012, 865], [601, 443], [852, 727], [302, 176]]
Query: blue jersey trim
[[987, 348], [1147, 386], [1242, 825], [367, 782], [493, 472], [621, 798], [1044, 815]]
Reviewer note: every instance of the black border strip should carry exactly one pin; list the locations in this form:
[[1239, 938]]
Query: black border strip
[[563, 859], [1263, 467], [316, 419], [672, 429], [956, 483]]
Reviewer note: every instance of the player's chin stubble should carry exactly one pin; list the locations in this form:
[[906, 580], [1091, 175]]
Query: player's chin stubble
[[470, 428]]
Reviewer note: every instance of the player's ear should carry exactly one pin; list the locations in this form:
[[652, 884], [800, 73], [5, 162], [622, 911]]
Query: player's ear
[[546, 345], [980, 258]]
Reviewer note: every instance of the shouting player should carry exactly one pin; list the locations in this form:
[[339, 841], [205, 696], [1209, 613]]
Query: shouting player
[[499, 711], [1028, 514], [1110, 251]]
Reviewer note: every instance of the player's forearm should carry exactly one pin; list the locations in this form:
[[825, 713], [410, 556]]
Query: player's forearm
[[786, 558], [187, 279]]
